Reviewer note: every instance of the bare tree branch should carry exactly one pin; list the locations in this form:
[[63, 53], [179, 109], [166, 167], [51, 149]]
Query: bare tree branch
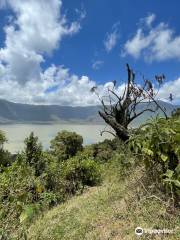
[[106, 131], [118, 111]]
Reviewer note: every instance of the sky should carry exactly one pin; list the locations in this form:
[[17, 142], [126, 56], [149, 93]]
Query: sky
[[55, 51]]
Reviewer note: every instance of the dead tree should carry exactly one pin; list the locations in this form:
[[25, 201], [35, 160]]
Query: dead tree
[[119, 111]]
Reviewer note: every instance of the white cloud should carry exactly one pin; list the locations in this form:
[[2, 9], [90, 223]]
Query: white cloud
[[159, 43], [36, 29], [149, 19], [111, 38], [97, 64], [81, 12], [170, 87], [69, 89]]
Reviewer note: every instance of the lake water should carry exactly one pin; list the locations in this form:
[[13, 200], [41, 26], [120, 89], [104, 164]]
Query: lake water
[[16, 133]]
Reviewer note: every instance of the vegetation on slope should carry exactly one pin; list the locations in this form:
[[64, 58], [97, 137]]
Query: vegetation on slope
[[110, 211], [125, 185]]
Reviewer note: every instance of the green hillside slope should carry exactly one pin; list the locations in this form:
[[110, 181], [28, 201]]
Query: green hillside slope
[[110, 211]]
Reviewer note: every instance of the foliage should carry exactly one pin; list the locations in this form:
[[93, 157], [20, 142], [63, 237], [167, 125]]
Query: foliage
[[33, 154], [38, 180], [54, 183], [66, 144], [158, 144], [80, 171], [103, 152], [110, 211], [3, 139], [176, 113], [16, 190], [5, 159]]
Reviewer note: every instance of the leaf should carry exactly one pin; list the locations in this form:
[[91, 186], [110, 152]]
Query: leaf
[[148, 151], [169, 173], [178, 169], [177, 137], [26, 214], [164, 157], [39, 189], [176, 183], [23, 216]]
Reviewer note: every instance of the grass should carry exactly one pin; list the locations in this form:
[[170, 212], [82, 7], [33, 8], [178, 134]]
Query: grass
[[110, 211]]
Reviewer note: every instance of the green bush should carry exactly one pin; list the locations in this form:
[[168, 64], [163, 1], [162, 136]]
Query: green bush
[[5, 157], [176, 113], [158, 145], [37, 180], [79, 172], [23, 195], [66, 144], [53, 180], [33, 154], [103, 152], [16, 190]]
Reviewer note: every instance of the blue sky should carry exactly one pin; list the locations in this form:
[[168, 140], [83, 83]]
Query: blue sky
[[53, 52]]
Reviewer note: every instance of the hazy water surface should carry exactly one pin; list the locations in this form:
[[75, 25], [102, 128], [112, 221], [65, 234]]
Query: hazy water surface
[[16, 133]]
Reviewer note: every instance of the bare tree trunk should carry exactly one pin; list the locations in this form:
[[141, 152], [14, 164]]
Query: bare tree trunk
[[119, 111], [121, 132]]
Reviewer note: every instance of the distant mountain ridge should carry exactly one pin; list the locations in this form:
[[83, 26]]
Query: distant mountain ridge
[[25, 113], [17, 112]]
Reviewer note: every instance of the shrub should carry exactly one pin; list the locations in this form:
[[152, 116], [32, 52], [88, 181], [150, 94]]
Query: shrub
[[3, 139], [23, 195], [102, 152], [158, 144], [16, 190], [79, 172], [66, 144], [53, 180], [33, 154], [176, 113], [5, 157]]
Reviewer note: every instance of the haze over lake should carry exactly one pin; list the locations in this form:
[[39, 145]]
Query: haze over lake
[[16, 133]]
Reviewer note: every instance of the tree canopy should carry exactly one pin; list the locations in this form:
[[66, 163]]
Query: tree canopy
[[66, 144]]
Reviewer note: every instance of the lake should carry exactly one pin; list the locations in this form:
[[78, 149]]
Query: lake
[[16, 133]]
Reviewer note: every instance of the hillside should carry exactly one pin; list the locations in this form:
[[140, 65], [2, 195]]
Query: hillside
[[110, 211], [102, 191], [24, 113]]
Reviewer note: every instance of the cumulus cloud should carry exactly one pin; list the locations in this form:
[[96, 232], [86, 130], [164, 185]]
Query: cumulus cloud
[[170, 87], [111, 38], [158, 43], [36, 29], [68, 89]]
